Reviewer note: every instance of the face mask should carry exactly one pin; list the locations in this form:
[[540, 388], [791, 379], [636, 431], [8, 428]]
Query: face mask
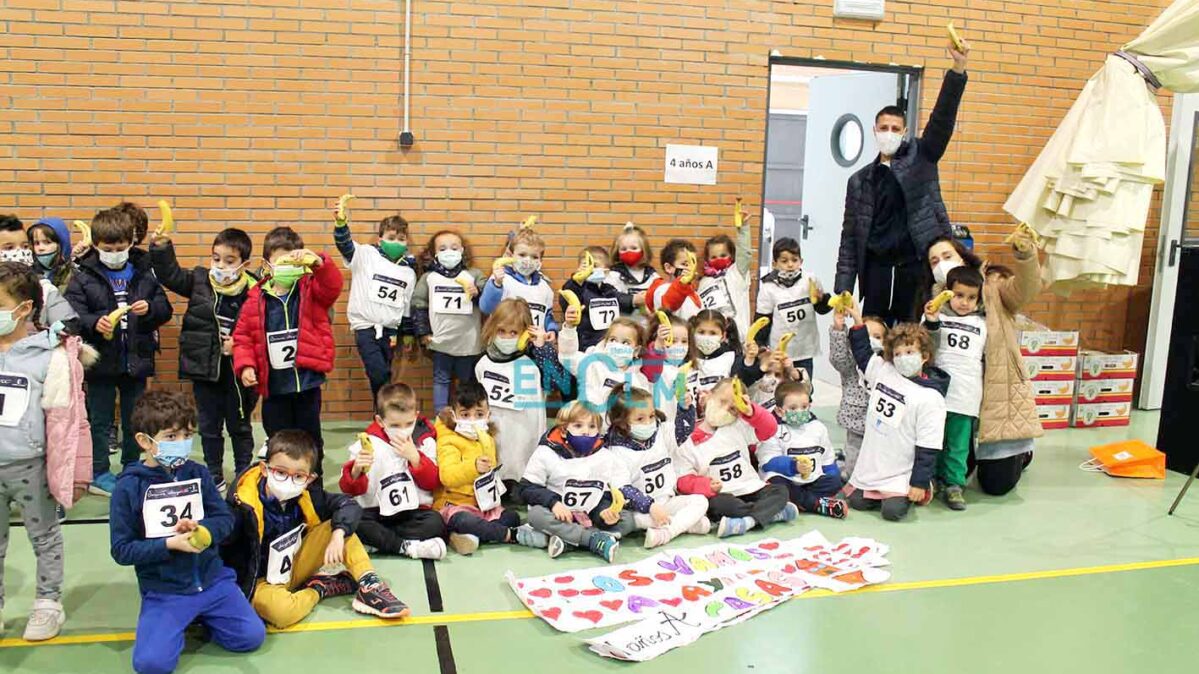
[[888, 142], [505, 345], [718, 416], [286, 275], [526, 266], [393, 249], [114, 260], [449, 258], [797, 417], [469, 428], [876, 345], [621, 354], [909, 364], [22, 255], [582, 444], [224, 277], [172, 453], [941, 271], [676, 353], [8, 322], [708, 344], [720, 263], [643, 432], [789, 275], [283, 489], [631, 257], [598, 276], [47, 260], [400, 433]]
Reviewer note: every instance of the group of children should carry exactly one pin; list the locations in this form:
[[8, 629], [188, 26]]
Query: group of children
[[678, 410]]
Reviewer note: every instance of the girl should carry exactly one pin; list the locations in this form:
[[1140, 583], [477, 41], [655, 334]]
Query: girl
[[725, 284], [469, 497], [632, 269], [612, 362], [800, 456], [715, 462], [445, 312], [665, 359], [513, 379], [776, 369], [851, 415], [51, 241], [568, 485], [720, 356], [646, 445]]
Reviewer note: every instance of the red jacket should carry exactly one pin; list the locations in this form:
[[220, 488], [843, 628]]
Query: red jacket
[[425, 474], [315, 350]]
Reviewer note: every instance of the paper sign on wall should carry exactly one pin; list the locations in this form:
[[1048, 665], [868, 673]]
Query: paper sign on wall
[[691, 165]]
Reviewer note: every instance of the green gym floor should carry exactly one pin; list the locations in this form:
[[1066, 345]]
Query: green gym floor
[[1072, 572]]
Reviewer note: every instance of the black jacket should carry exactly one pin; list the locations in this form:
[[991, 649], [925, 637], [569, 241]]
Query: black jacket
[[915, 168], [92, 297], [200, 355]]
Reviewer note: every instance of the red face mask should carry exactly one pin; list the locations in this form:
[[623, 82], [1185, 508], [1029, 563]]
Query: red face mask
[[720, 263], [631, 257]]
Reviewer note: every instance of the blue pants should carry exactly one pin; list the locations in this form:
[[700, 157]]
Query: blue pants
[[101, 405], [446, 368], [806, 496], [376, 354], [221, 607]]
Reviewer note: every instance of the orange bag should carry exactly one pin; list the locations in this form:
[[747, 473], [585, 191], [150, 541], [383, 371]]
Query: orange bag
[[1130, 458]]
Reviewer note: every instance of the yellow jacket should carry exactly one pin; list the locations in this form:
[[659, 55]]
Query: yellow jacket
[[456, 457]]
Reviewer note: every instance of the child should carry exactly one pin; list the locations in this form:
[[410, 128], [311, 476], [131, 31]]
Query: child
[[568, 485], [852, 413], [215, 295], [51, 242], [445, 312], [15, 247], [469, 497], [168, 521], [283, 341], [632, 270], [776, 369], [720, 355], [785, 297], [610, 363], [383, 277], [523, 279], [601, 300], [665, 360], [395, 477], [647, 445], [800, 456], [516, 382], [111, 275], [959, 334], [675, 293], [725, 284], [905, 421], [137, 218], [287, 528]]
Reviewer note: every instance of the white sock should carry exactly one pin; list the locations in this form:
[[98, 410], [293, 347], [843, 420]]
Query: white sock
[[750, 522]]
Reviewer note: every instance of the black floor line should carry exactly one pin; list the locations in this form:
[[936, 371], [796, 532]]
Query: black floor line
[[96, 520], [441, 633]]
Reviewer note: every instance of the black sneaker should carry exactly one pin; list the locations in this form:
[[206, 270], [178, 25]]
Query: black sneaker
[[60, 513], [376, 599], [332, 586], [114, 440]]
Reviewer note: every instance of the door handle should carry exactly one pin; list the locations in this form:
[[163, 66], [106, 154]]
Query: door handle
[[805, 227], [1174, 246]]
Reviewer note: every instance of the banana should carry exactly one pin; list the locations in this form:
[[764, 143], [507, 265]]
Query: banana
[[689, 275], [785, 340], [842, 302], [168, 218], [940, 300], [529, 222], [757, 327], [502, 262], [308, 259], [85, 229], [523, 342], [1025, 227], [617, 501], [739, 398], [201, 538], [664, 320], [573, 301], [813, 290], [465, 281], [584, 271], [955, 38], [364, 441], [738, 216], [342, 201], [114, 317]]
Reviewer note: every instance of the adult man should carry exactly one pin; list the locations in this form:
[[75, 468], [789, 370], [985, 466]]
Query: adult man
[[893, 207]]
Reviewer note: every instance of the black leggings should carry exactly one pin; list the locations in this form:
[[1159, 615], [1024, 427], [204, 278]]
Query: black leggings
[[762, 505], [388, 534], [495, 531], [999, 476], [894, 509]]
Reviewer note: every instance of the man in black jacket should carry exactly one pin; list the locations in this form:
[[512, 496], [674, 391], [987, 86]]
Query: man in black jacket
[[894, 210]]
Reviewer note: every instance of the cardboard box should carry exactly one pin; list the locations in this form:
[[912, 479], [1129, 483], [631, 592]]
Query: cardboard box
[[1094, 415], [1096, 365], [1053, 391], [1105, 391], [1038, 340], [1042, 368], [1054, 416]]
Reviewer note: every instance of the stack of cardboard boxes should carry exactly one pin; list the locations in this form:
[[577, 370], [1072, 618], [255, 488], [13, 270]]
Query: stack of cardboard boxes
[[1051, 359], [1103, 393], [1074, 387]]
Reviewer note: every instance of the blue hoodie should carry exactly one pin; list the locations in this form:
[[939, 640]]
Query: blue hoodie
[[159, 569], [62, 232]]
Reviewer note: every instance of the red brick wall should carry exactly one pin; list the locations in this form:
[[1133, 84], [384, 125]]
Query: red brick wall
[[258, 113]]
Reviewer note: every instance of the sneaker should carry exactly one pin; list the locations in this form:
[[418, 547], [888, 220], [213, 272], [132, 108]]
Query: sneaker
[[114, 440], [375, 598], [955, 498], [531, 538], [60, 513], [555, 546], [103, 484], [604, 545], [222, 487], [45, 620], [787, 514], [430, 548], [832, 507], [732, 526], [332, 585], [656, 536], [701, 528], [464, 544]]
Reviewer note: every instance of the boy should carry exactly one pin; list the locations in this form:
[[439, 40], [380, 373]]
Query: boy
[[959, 334], [785, 297], [283, 340], [675, 292], [395, 477], [287, 528], [523, 279], [601, 300], [215, 295], [168, 521], [800, 456], [383, 277], [851, 415], [115, 274]]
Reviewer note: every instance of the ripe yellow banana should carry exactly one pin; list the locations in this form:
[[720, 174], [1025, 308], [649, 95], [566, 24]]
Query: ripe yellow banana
[[689, 275], [502, 262], [465, 280], [309, 259], [86, 230], [573, 301], [940, 300], [585, 270], [785, 340], [364, 442], [813, 290], [114, 317], [1025, 227], [739, 400], [680, 381], [842, 302], [664, 320], [201, 538], [168, 218], [342, 201], [617, 501], [522, 342], [756, 327], [529, 222], [738, 216], [954, 37]]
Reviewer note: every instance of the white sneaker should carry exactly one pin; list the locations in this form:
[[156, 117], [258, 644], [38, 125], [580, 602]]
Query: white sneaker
[[703, 527], [555, 547], [45, 620], [655, 537], [430, 548]]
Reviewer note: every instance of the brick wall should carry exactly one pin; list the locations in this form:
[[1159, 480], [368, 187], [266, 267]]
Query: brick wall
[[257, 113]]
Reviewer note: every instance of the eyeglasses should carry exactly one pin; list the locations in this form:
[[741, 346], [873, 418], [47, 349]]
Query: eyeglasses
[[282, 476]]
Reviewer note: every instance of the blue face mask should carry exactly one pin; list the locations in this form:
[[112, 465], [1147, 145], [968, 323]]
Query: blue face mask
[[172, 453], [582, 444], [48, 260]]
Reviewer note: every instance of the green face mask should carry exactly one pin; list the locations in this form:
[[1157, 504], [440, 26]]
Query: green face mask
[[394, 250], [286, 275]]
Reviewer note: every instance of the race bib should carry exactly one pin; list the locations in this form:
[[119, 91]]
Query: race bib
[[887, 406], [714, 297], [225, 324], [657, 478], [488, 490], [397, 493], [499, 386], [282, 556], [14, 398], [602, 311], [729, 469], [165, 504], [538, 312], [390, 291], [961, 339], [582, 495], [790, 314], [450, 298], [281, 348]]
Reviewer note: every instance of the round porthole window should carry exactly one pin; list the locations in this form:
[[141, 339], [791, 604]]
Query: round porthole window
[[847, 140]]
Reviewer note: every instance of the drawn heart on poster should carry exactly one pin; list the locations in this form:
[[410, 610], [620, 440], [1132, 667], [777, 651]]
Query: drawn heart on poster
[[564, 579], [769, 545], [591, 592], [551, 613], [541, 593], [568, 593], [667, 577], [613, 605], [593, 616], [672, 602]]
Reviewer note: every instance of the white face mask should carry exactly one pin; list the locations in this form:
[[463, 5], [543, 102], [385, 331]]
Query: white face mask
[[400, 433], [526, 266], [941, 271], [224, 277], [621, 354], [643, 432], [888, 142], [876, 345], [676, 353], [505, 345], [708, 344], [469, 428], [719, 416], [115, 259], [285, 489], [909, 364], [449, 258], [22, 255]]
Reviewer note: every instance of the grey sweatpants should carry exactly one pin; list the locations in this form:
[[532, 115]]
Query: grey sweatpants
[[543, 520], [853, 447], [24, 483]]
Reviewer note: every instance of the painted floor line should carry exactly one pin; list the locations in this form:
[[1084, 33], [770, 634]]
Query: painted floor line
[[492, 616]]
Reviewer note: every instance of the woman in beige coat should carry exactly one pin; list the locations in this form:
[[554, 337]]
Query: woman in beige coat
[[1007, 421]]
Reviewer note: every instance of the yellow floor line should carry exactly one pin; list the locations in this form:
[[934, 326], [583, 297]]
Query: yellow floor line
[[492, 616]]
